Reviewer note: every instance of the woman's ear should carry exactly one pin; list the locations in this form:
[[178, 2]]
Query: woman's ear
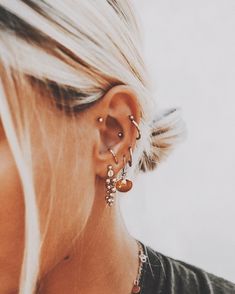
[[116, 130]]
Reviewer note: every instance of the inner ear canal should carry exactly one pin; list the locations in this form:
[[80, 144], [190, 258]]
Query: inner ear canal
[[110, 134]]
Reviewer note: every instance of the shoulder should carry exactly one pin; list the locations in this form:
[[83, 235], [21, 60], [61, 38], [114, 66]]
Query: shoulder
[[164, 274]]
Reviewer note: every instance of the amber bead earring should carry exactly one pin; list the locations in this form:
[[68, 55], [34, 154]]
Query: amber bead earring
[[124, 184]]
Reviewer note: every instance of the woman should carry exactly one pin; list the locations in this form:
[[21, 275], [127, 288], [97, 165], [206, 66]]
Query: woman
[[76, 117]]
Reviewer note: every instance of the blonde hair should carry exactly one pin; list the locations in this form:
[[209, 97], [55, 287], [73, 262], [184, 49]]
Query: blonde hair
[[76, 50]]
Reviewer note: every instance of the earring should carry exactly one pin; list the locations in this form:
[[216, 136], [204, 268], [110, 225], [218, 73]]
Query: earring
[[132, 119], [110, 186], [100, 119], [114, 155], [131, 156], [124, 185], [120, 134]]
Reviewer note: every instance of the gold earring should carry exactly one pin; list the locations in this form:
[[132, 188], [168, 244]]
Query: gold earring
[[110, 186], [120, 134], [114, 155], [124, 185], [100, 119], [131, 156], [132, 119]]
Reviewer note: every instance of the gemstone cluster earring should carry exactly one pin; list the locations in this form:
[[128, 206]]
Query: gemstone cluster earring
[[110, 186]]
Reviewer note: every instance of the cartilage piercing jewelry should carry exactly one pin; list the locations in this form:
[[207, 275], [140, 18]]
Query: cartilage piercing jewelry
[[132, 119]]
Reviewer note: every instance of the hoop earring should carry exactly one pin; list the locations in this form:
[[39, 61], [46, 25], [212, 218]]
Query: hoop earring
[[110, 186], [113, 154], [131, 156], [124, 185], [132, 119]]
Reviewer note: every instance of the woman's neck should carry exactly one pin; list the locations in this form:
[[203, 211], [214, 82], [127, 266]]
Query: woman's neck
[[103, 260]]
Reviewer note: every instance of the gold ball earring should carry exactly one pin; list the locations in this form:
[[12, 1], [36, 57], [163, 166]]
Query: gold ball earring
[[100, 119]]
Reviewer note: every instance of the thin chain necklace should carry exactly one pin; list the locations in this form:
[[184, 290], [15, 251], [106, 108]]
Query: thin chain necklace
[[142, 259], [136, 289]]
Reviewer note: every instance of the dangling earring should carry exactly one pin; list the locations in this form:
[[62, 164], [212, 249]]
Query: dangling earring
[[110, 186], [124, 185]]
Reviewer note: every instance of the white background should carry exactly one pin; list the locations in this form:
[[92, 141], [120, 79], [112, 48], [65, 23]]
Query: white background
[[186, 208]]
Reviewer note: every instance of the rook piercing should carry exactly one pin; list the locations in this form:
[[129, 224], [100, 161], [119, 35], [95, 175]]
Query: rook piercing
[[132, 119]]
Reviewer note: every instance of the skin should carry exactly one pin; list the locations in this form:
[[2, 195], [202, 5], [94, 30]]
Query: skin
[[92, 252]]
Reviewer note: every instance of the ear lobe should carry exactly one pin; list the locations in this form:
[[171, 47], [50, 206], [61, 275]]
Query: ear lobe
[[115, 108]]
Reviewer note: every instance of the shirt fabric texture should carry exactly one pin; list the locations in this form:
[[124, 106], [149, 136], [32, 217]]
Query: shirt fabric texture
[[165, 275]]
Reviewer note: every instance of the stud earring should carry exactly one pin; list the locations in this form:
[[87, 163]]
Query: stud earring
[[120, 134], [124, 185], [100, 119], [114, 155], [110, 186], [132, 119]]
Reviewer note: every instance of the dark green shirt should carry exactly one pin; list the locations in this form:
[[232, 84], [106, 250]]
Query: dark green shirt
[[164, 275]]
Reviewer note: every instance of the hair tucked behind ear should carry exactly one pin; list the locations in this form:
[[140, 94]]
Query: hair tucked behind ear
[[73, 52], [166, 130]]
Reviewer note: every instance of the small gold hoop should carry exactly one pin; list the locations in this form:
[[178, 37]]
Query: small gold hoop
[[124, 160], [131, 156], [114, 155], [132, 119], [124, 165]]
